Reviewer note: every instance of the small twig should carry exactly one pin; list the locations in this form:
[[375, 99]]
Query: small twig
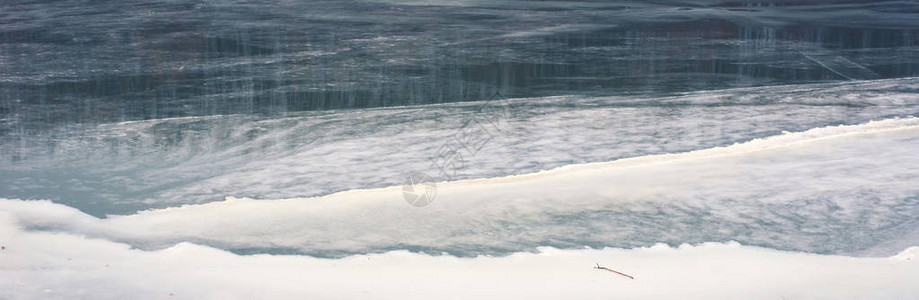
[[598, 267]]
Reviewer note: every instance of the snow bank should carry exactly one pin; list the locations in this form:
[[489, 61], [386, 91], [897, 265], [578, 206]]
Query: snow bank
[[41, 265]]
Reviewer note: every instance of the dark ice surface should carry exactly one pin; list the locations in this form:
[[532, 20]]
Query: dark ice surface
[[104, 61]]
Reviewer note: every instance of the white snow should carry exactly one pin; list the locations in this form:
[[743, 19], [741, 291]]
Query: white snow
[[41, 265]]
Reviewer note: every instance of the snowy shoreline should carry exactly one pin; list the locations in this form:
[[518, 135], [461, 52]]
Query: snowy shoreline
[[65, 266]]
